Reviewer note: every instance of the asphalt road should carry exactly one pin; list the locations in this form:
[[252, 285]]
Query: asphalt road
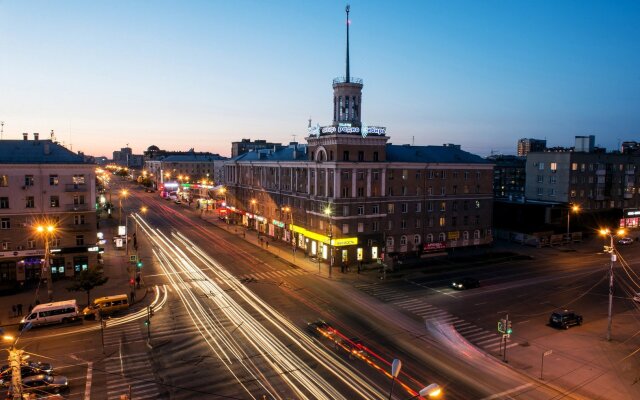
[[230, 321]]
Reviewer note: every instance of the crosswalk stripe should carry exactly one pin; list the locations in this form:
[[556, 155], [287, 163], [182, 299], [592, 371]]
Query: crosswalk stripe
[[469, 329], [478, 335], [483, 342]]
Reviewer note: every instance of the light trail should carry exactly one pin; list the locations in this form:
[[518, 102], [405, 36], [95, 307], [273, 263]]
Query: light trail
[[236, 337]]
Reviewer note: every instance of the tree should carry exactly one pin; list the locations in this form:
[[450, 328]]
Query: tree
[[86, 281]]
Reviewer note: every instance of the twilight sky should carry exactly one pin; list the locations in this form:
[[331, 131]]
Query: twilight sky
[[182, 74]]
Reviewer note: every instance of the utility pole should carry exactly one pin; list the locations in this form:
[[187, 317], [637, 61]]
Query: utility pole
[[15, 358], [611, 261]]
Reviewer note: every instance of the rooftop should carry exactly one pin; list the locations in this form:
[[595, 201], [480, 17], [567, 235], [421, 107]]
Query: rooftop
[[37, 152]]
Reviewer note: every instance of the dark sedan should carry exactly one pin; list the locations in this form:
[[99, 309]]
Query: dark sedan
[[45, 384], [465, 283]]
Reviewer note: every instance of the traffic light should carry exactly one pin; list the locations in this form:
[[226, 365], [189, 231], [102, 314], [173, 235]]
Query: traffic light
[[139, 263], [131, 282], [509, 330], [147, 322]]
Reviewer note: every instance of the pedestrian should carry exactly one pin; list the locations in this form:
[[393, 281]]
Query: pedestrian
[[14, 309], [266, 242], [30, 308], [260, 242], [20, 309]]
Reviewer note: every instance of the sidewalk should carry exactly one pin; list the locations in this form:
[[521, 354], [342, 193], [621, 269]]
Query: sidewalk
[[115, 263]]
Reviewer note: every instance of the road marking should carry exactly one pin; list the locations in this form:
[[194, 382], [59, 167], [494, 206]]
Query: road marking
[[506, 392], [87, 388], [522, 322], [478, 304]]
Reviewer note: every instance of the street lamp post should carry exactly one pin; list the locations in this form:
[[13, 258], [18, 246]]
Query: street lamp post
[[396, 366], [575, 209], [327, 211], [46, 231], [433, 390], [612, 250], [123, 193]]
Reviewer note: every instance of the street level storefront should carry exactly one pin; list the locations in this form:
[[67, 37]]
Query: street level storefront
[[26, 265], [318, 245]]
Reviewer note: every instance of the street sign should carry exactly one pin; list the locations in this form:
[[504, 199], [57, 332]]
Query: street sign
[[500, 327], [133, 258]]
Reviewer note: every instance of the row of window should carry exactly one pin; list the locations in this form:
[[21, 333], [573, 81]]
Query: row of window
[[375, 173], [54, 201], [32, 243], [583, 167], [429, 238], [374, 226], [54, 180], [5, 223]]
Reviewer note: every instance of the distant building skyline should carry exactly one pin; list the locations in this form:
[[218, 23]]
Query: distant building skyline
[[480, 75]]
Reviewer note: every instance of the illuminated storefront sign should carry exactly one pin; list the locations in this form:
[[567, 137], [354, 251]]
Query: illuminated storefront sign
[[434, 246], [324, 238], [277, 223], [345, 241], [455, 235]]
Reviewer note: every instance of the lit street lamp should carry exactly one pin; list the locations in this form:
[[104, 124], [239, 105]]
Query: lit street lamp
[[432, 391], [123, 193], [575, 208], [47, 231], [612, 250]]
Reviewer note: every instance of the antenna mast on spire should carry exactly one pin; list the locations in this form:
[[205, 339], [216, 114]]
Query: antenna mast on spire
[[1, 129], [347, 11]]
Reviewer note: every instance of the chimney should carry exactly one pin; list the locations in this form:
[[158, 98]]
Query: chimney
[[24, 136], [36, 135]]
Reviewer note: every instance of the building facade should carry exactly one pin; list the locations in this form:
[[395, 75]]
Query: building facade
[[187, 167], [525, 146], [594, 180], [246, 145], [348, 196], [509, 177], [43, 183]]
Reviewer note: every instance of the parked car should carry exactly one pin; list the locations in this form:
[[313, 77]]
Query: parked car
[[45, 383], [625, 241], [26, 369], [465, 283], [565, 319]]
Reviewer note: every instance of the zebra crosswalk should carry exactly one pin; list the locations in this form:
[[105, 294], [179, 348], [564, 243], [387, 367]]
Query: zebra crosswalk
[[479, 337], [266, 275], [131, 375]]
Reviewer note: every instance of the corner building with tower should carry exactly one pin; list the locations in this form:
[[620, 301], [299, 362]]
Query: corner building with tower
[[348, 196]]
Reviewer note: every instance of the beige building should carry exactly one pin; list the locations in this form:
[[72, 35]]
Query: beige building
[[349, 196], [43, 183]]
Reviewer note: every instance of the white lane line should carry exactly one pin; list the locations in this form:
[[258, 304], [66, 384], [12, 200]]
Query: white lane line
[[87, 387], [507, 392], [469, 329]]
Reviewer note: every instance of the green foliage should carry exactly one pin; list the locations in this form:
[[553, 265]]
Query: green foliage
[[86, 281]]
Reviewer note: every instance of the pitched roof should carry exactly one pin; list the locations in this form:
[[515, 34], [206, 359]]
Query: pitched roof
[[34, 152], [432, 154], [193, 158]]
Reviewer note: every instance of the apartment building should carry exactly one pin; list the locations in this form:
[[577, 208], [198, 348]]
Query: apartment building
[[43, 183]]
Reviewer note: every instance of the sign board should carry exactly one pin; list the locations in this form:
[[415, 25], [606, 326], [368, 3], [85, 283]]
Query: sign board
[[119, 242], [133, 258], [122, 230], [434, 246], [345, 241]]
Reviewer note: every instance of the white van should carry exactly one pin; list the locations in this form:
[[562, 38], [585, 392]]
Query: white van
[[52, 313]]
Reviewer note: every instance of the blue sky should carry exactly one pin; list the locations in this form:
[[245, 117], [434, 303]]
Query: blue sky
[[202, 74]]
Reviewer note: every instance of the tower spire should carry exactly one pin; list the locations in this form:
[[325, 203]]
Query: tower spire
[[347, 11]]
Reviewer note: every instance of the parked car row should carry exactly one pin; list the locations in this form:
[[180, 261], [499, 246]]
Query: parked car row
[[37, 377]]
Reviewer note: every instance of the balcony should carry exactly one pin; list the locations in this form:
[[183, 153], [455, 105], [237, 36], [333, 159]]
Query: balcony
[[76, 187], [76, 207]]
